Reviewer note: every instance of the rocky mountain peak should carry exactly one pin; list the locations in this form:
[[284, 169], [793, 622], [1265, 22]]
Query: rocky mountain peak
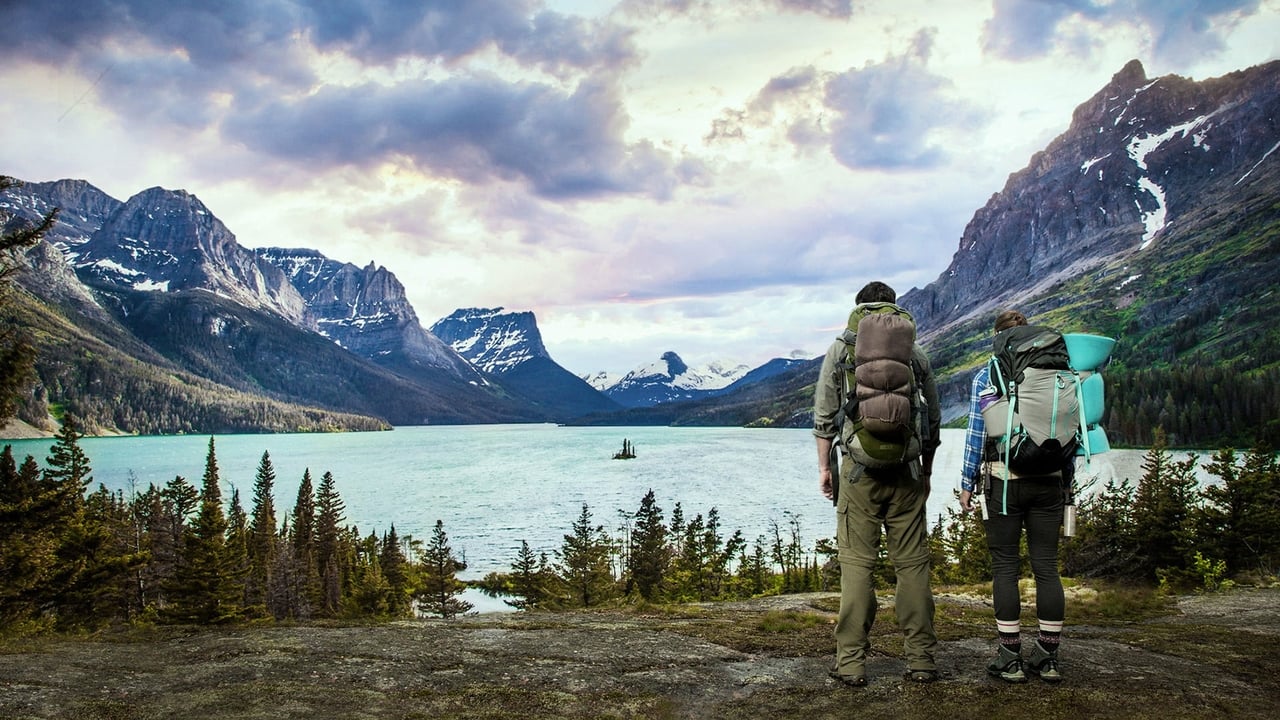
[[675, 366], [365, 310], [1137, 156], [167, 240], [492, 339], [669, 379], [83, 209]]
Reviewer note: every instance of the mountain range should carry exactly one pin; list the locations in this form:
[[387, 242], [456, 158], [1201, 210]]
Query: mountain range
[[160, 291], [1154, 218]]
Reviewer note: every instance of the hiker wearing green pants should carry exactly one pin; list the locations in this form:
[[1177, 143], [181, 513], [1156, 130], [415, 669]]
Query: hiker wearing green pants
[[872, 494]]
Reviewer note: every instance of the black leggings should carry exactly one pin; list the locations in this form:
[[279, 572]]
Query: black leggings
[[1035, 504]]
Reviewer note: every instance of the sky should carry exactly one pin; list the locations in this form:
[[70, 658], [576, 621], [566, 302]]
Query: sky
[[712, 177]]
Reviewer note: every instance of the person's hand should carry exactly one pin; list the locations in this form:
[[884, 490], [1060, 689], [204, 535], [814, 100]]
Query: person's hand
[[825, 483], [966, 500]]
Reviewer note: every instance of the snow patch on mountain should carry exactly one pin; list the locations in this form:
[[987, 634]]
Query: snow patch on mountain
[[601, 380], [492, 339], [672, 371]]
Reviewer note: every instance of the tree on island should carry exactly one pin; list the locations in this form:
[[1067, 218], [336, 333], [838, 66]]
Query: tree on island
[[438, 594]]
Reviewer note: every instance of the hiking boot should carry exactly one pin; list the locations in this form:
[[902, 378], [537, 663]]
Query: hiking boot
[[1044, 663], [1007, 666]]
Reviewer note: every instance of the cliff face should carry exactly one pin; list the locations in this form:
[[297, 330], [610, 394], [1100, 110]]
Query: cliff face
[[166, 240], [508, 346], [1139, 159], [366, 311], [84, 208]]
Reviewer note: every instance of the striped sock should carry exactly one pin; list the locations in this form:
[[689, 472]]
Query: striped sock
[[1050, 635], [1010, 634]]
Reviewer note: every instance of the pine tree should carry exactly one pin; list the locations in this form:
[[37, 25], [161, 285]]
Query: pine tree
[[155, 520], [27, 540], [440, 584], [17, 353], [395, 568], [959, 548], [306, 591], [183, 497], [204, 589], [112, 559], [370, 592], [1162, 522], [1104, 544], [753, 569], [650, 555], [87, 567], [528, 580], [585, 568], [263, 541], [719, 553], [238, 547], [1240, 518], [329, 509], [67, 468]]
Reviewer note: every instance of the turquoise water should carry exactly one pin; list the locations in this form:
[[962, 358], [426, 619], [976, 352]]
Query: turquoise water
[[495, 485]]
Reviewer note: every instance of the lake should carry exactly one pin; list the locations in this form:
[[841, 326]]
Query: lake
[[495, 485]]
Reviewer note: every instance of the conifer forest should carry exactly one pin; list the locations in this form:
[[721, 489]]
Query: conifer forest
[[76, 558]]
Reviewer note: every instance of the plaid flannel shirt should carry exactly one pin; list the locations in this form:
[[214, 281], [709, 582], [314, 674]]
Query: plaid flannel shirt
[[976, 436]]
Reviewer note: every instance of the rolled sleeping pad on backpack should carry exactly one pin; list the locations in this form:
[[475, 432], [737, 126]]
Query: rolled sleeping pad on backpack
[[1087, 352], [1093, 396], [1098, 442]]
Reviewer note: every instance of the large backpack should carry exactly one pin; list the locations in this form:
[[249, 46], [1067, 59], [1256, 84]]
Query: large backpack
[[1034, 426], [883, 399]]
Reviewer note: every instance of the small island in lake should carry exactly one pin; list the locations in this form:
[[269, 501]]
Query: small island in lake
[[627, 452]]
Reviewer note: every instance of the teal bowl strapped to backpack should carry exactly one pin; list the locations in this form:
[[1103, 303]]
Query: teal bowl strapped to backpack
[[1088, 352]]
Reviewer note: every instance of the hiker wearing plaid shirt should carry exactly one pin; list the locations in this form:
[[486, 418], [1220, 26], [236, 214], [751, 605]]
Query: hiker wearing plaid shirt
[[1030, 503]]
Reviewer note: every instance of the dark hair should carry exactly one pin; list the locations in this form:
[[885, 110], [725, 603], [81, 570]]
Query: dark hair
[[876, 291], [1006, 319]]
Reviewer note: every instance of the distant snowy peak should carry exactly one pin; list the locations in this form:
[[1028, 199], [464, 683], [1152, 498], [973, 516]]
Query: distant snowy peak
[[671, 369], [491, 339], [602, 380], [669, 379], [722, 374]]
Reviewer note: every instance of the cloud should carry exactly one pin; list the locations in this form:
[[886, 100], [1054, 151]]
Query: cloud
[[244, 69], [710, 9], [380, 31], [475, 129], [886, 112], [1178, 29], [180, 60], [891, 115]]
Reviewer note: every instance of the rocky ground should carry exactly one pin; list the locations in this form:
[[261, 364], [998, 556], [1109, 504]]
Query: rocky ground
[[1194, 657]]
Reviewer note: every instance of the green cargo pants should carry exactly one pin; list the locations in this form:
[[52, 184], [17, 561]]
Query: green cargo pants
[[894, 501]]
